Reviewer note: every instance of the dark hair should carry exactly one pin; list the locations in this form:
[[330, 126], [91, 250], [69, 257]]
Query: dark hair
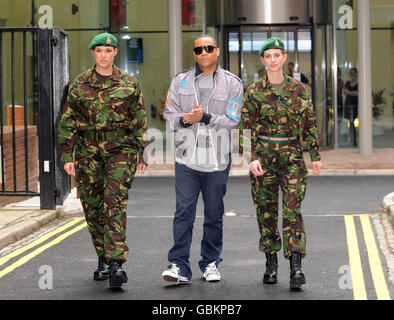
[[205, 36]]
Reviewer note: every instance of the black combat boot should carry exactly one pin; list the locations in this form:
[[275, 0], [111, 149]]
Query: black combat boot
[[117, 275], [271, 271], [102, 272], [297, 278]]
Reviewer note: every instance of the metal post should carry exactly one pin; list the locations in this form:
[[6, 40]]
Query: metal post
[[334, 72], [13, 106], [222, 37], [25, 111], [204, 16], [45, 120], [174, 37], [1, 116], [315, 70], [364, 77]]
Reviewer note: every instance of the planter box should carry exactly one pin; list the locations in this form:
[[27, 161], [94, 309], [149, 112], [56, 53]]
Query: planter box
[[377, 127]]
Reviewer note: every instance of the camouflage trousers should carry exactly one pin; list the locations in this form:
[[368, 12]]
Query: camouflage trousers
[[283, 166], [104, 174]]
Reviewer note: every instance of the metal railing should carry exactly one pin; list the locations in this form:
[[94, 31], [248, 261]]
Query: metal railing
[[9, 81], [33, 72]]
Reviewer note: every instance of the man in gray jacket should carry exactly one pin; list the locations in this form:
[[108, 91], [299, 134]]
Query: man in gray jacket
[[203, 105]]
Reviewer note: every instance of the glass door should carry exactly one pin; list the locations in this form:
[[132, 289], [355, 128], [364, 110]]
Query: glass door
[[251, 42], [307, 62], [243, 44], [323, 98]]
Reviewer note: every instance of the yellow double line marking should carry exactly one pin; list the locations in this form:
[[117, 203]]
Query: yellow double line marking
[[359, 291], [40, 240]]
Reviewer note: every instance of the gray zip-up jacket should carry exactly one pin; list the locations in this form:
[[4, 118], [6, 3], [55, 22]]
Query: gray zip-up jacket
[[223, 113]]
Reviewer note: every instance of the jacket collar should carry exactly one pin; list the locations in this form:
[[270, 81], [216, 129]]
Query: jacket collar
[[267, 84], [198, 71], [91, 76]]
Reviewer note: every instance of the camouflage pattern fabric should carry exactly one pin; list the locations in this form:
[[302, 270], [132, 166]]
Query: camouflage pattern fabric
[[288, 113], [104, 177], [92, 105], [283, 167], [267, 112], [104, 169]]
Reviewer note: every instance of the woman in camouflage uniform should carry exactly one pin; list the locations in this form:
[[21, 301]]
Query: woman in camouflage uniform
[[278, 111], [104, 121]]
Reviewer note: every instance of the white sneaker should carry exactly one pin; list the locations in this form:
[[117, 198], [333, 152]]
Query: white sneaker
[[172, 275], [212, 273]]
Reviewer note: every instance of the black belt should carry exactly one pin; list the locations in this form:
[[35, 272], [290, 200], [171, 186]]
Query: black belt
[[101, 136]]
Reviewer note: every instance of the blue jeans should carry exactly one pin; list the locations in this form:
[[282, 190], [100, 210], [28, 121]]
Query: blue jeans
[[188, 184]]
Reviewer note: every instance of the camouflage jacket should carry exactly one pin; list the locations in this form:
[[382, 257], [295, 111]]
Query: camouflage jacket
[[267, 112], [91, 105]]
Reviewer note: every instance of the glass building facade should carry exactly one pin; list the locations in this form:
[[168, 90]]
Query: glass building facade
[[382, 60], [141, 27]]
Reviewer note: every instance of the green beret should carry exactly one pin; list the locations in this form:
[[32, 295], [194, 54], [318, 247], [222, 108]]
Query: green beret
[[103, 39], [272, 43]]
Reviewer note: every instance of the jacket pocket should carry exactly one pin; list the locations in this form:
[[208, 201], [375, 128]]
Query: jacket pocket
[[187, 100], [294, 117], [118, 104], [120, 94], [87, 102], [267, 111], [218, 104]]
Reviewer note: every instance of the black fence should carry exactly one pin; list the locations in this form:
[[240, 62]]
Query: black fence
[[33, 85]]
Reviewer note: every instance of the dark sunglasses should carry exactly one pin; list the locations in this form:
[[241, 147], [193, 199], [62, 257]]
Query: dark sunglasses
[[208, 49]]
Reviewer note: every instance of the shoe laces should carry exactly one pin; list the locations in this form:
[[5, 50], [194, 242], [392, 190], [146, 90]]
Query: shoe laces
[[211, 269], [174, 268]]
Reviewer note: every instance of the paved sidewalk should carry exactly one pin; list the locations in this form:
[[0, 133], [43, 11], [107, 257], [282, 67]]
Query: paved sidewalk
[[335, 162], [17, 220], [18, 223]]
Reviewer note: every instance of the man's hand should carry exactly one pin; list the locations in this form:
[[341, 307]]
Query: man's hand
[[256, 169], [141, 167], [316, 165], [69, 168], [194, 116]]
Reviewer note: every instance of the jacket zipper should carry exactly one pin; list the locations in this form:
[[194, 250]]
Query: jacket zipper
[[198, 124]]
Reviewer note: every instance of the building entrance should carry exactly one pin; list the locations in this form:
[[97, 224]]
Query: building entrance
[[243, 44], [308, 62]]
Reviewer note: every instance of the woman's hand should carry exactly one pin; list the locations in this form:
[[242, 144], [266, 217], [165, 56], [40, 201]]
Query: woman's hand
[[141, 167], [69, 168], [255, 168], [316, 165]]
